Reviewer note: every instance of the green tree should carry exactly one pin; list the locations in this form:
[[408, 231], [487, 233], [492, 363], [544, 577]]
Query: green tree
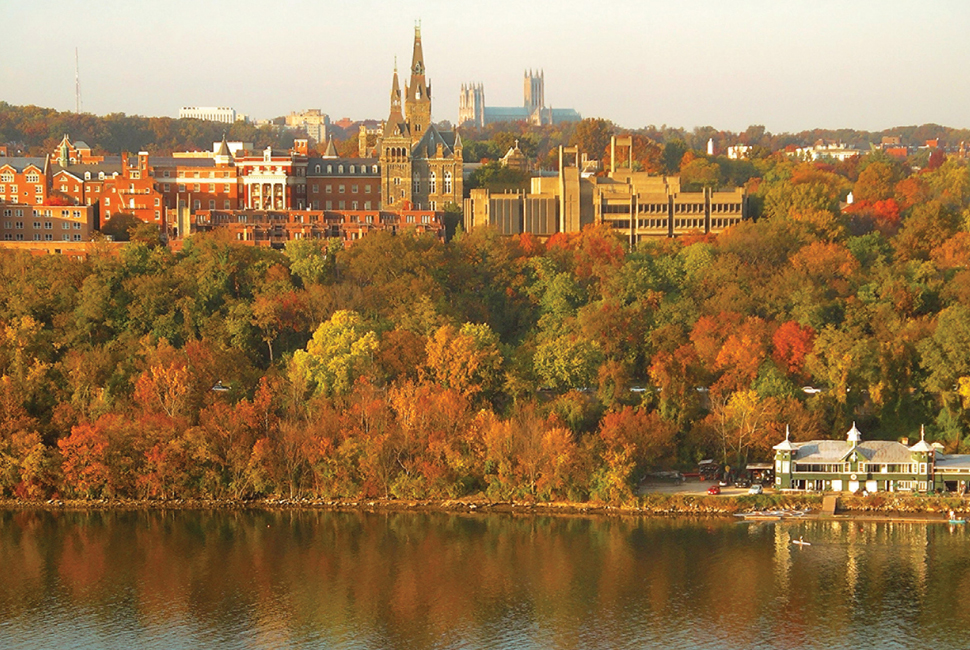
[[337, 354]]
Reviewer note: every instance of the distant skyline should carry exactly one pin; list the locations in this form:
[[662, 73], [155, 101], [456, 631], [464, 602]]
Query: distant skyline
[[788, 65]]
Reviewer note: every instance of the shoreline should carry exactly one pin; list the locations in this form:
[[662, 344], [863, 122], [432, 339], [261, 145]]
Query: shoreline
[[930, 509]]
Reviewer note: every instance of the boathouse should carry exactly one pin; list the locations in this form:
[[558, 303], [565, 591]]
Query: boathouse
[[855, 464]]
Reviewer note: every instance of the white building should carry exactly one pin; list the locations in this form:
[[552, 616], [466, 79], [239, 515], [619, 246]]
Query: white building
[[211, 113]]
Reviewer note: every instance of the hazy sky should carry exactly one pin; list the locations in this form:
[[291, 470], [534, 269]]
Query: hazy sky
[[787, 64]]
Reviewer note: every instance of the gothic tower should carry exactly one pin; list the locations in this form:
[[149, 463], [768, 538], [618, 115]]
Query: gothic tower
[[417, 103], [535, 90], [395, 153]]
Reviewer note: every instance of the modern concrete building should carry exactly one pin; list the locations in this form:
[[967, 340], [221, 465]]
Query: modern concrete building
[[212, 113], [636, 203]]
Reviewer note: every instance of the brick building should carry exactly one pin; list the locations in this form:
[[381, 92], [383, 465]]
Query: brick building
[[41, 223], [275, 228], [24, 180]]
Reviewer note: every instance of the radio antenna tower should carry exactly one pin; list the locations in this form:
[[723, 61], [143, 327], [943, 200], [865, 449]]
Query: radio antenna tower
[[77, 85]]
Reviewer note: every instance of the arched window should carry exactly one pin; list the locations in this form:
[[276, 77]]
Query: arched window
[[433, 184], [447, 182], [317, 169], [329, 169], [340, 169], [353, 169], [87, 176]]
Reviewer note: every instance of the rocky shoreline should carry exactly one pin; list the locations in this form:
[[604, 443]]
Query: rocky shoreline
[[649, 505]]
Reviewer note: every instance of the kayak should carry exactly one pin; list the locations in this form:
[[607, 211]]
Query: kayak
[[800, 542], [958, 521]]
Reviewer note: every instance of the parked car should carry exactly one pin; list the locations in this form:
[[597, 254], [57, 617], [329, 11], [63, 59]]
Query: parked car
[[755, 489], [714, 489], [742, 482]]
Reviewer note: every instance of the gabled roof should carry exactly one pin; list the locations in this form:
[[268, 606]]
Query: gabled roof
[[20, 163], [111, 165], [427, 146]]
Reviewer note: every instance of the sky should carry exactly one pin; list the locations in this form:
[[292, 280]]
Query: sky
[[789, 65]]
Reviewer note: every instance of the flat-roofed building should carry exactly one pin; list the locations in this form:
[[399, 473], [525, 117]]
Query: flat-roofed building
[[211, 113], [637, 204]]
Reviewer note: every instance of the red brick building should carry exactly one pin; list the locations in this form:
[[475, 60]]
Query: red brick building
[[23, 180], [343, 184], [275, 228]]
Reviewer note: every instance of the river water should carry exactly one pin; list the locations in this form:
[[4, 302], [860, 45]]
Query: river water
[[312, 579]]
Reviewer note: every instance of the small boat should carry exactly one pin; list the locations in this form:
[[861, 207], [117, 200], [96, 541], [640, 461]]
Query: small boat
[[958, 521]]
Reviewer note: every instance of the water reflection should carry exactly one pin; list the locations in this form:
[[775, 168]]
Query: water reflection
[[397, 580]]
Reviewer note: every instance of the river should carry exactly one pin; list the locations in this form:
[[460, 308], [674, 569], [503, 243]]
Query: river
[[316, 579]]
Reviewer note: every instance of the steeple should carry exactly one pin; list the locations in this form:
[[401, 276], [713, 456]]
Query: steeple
[[331, 151], [417, 103], [222, 154], [395, 124]]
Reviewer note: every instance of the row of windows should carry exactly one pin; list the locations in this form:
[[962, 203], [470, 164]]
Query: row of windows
[[432, 184], [214, 188], [38, 189], [340, 169], [342, 205], [38, 225], [341, 189], [19, 237]]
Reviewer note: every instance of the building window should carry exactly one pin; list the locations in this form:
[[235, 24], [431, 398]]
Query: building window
[[316, 189], [367, 189], [65, 225], [329, 205], [367, 205], [340, 169], [341, 189], [416, 186], [198, 187], [353, 189], [353, 206], [342, 205], [77, 237], [77, 226], [447, 182], [212, 204], [329, 189], [353, 169], [158, 201], [181, 187], [225, 204], [329, 169], [433, 184], [197, 204]]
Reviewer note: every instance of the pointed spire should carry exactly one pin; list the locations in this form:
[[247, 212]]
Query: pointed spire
[[417, 56], [922, 446], [223, 149], [854, 436], [331, 151]]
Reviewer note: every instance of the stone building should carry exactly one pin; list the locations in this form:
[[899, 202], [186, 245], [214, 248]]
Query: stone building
[[421, 166], [473, 111]]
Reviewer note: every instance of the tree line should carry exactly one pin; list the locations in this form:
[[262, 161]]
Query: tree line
[[510, 367]]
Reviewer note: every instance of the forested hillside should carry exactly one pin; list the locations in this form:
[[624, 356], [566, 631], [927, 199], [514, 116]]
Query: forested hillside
[[510, 367]]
